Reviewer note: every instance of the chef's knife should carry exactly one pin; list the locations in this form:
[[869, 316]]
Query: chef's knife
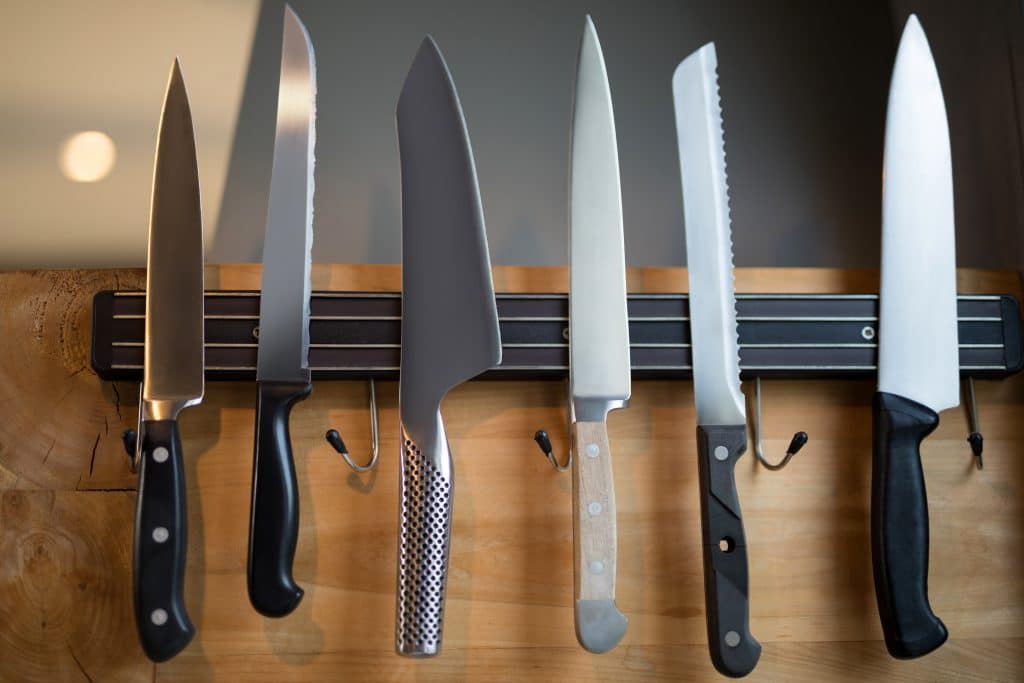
[[172, 380], [918, 359], [449, 331], [599, 369], [721, 416], [282, 371]]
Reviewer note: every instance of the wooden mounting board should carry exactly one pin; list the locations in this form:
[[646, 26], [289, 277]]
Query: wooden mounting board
[[67, 506]]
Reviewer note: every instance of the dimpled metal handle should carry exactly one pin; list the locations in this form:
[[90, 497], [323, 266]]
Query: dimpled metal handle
[[424, 542]]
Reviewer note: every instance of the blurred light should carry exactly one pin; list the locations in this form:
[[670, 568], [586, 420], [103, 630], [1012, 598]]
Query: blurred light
[[87, 156]]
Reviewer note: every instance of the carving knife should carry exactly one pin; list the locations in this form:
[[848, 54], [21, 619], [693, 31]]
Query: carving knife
[[449, 331], [282, 371], [918, 358], [721, 415], [172, 380], [599, 370]]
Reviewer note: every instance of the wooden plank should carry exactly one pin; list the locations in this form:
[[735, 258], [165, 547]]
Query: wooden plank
[[509, 612]]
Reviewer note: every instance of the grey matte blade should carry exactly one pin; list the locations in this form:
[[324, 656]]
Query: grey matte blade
[[713, 331], [449, 318], [174, 272], [598, 327], [284, 301], [917, 336]]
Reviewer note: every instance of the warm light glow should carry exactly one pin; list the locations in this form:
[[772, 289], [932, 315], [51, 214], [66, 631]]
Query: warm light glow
[[87, 156]]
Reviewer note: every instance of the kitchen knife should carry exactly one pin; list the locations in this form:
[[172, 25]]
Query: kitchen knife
[[721, 416], [282, 370], [449, 331], [172, 380], [599, 369], [918, 358]]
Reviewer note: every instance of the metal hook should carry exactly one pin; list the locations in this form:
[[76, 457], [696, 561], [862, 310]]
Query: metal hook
[[542, 439], [799, 439], [974, 438], [334, 438]]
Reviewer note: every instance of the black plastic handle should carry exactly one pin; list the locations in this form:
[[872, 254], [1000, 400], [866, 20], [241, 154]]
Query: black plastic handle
[[899, 527], [161, 540], [734, 652], [274, 518]]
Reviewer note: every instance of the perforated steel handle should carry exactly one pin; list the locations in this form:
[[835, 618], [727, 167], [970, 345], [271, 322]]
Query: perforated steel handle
[[426, 490]]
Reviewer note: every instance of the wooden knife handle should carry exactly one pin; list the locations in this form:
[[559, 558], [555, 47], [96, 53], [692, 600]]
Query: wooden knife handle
[[899, 527], [161, 540], [599, 624], [274, 514], [734, 652]]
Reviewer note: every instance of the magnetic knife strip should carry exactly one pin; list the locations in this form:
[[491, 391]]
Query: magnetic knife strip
[[357, 335]]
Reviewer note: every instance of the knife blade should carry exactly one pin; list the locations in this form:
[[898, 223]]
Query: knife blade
[[172, 379], [449, 331], [918, 358], [282, 372], [599, 370], [721, 417]]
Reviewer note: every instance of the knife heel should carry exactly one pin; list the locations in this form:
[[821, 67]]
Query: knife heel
[[161, 540], [899, 527], [423, 548], [274, 515], [734, 651]]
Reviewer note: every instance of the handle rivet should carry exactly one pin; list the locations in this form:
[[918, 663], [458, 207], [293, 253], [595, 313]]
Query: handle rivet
[[732, 639], [593, 450], [158, 617], [161, 534], [597, 567], [867, 332], [594, 509], [721, 453], [160, 454]]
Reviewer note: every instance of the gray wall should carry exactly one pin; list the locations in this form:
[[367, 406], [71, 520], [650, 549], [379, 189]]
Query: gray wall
[[803, 88]]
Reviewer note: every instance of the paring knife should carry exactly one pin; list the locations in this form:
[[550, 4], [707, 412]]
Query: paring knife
[[721, 415], [172, 380], [282, 371], [918, 358], [449, 331], [599, 372]]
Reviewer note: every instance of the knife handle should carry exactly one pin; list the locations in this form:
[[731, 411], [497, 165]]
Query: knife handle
[[274, 518], [160, 543], [426, 489], [734, 651], [599, 623], [899, 527]]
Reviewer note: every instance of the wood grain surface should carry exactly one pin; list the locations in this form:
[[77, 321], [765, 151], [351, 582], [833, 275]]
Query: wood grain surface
[[67, 502]]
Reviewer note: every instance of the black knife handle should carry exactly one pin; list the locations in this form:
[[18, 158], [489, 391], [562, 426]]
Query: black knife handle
[[899, 527], [161, 539], [274, 515], [734, 652]]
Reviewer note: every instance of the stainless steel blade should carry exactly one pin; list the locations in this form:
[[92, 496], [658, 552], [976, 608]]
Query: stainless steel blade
[[713, 333], [449, 318], [284, 301], [173, 374], [917, 337], [598, 327]]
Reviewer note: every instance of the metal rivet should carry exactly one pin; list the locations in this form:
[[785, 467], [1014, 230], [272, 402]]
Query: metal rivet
[[868, 332], [160, 454], [158, 617], [721, 453], [565, 333], [732, 639], [594, 509], [593, 450], [161, 534], [597, 567]]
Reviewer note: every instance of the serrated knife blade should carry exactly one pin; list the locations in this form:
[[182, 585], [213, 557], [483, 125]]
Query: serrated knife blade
[[283, 363], [172, 380], [918, 355], [721, 418], [449, 331]]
